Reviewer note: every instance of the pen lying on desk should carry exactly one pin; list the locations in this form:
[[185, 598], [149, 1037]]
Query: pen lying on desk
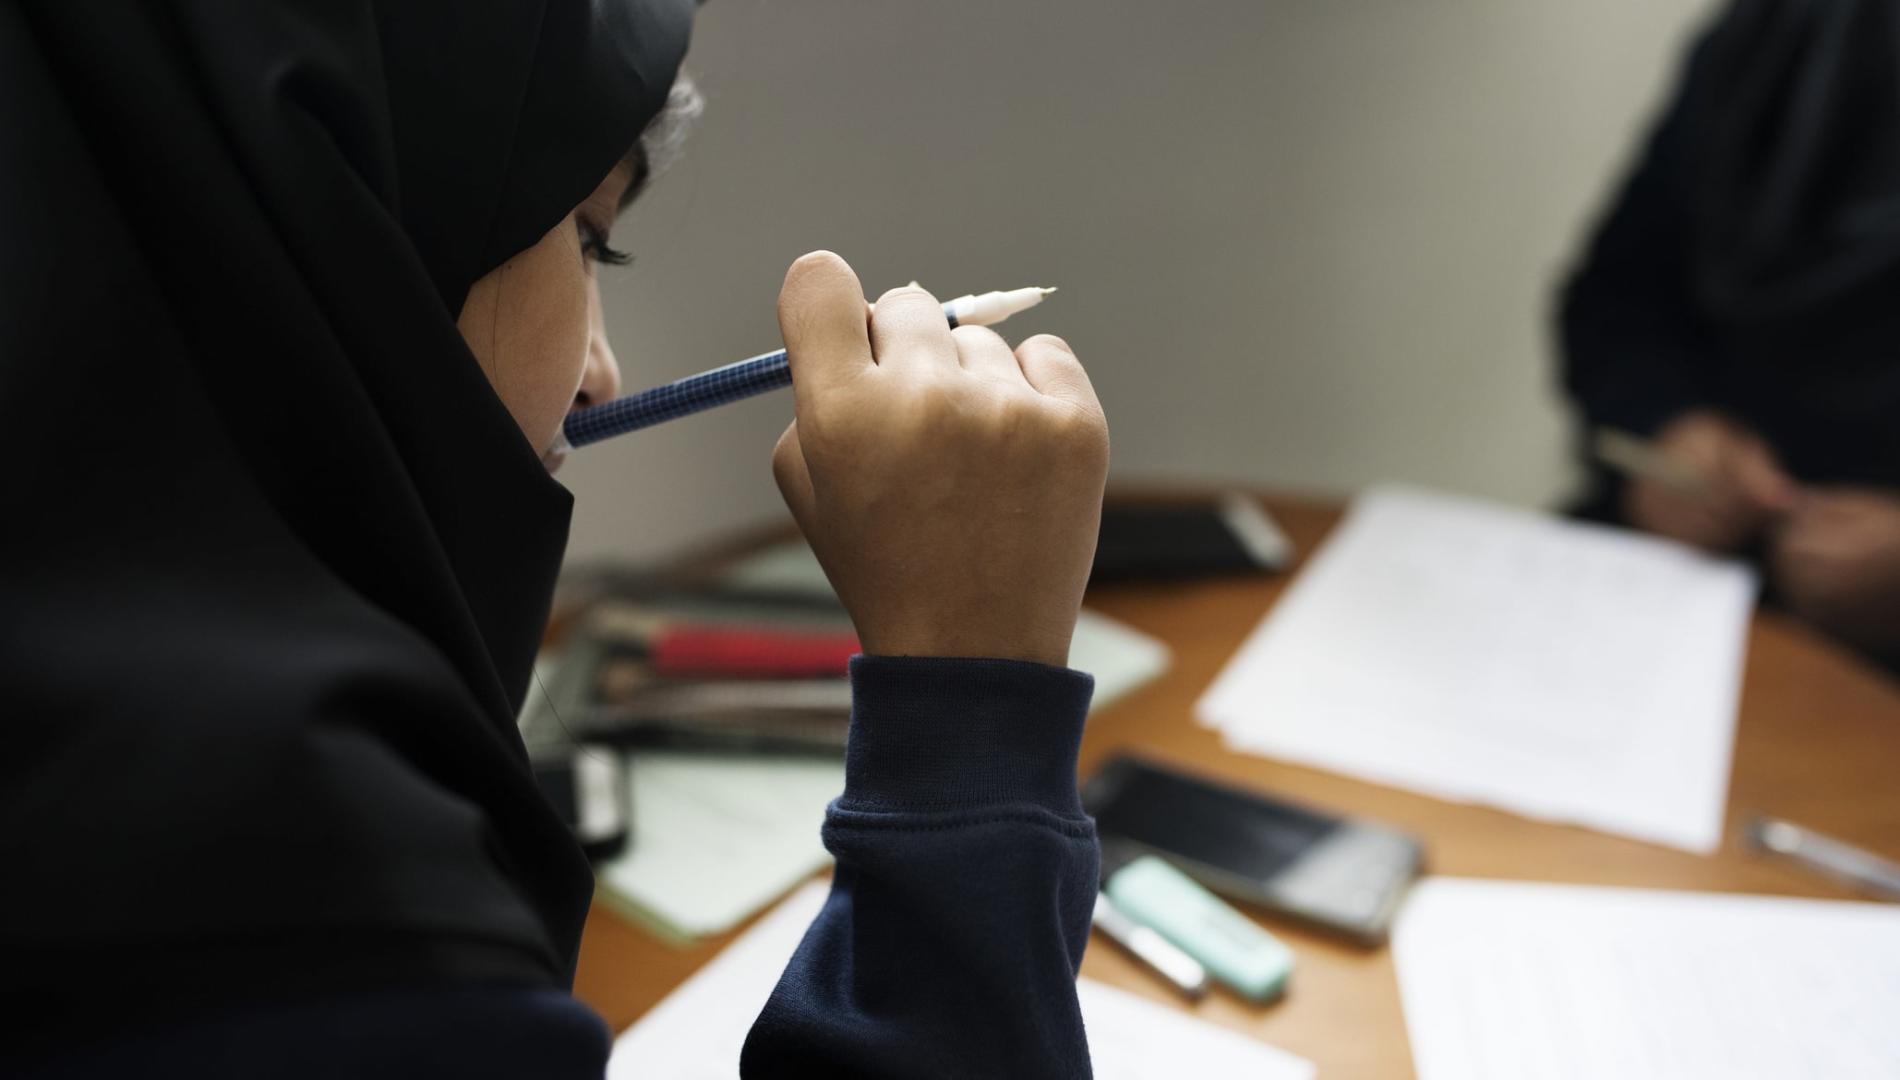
[[1825, 855], [1182, 971], [758, 375]]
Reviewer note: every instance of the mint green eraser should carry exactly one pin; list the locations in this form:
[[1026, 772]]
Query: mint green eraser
[[1254, 963]]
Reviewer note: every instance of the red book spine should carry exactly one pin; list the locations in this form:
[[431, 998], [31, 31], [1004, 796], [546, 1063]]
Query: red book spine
[[740, 652]]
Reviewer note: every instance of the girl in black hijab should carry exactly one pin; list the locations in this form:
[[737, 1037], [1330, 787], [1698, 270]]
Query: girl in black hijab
[[283, 285]]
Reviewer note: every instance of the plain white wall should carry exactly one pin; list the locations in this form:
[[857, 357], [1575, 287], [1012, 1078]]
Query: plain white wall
[[1305, 244]]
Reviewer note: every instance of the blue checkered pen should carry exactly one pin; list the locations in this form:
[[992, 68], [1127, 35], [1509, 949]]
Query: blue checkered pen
[[741, 380], [694, 393]]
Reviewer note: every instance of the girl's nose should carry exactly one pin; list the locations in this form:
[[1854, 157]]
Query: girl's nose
[[600, 378]]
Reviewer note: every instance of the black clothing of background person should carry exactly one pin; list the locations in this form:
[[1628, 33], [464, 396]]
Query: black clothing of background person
[[1750, 263]]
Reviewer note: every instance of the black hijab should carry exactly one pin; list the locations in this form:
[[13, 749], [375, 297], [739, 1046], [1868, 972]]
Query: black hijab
[[275, 557]]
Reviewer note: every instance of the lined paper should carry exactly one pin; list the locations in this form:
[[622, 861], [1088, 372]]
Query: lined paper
[[1483, 653]]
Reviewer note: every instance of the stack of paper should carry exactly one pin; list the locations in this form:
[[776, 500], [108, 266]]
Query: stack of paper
[[1476, 652], [717, 837], [696, 1034], [1506, 981]]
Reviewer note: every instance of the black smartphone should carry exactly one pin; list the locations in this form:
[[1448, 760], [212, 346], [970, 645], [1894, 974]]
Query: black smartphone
[[1341, 874], [1231, 534]]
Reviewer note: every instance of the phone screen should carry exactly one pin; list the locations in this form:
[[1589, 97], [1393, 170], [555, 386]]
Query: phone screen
[[1241, 834]]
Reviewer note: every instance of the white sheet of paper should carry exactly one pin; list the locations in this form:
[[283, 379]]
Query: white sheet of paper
[[1121, 658], [1512, 981], [717, 837], [696, 1033], [1477, 652]]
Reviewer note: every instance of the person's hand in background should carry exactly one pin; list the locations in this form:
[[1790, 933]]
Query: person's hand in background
[[1745, 487], [951, 487], [1836, 562]]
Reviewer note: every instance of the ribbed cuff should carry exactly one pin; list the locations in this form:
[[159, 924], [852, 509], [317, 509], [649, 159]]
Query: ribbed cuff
[[934, 733]]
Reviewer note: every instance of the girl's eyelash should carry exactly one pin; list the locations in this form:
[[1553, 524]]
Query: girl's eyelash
[[594, 246]]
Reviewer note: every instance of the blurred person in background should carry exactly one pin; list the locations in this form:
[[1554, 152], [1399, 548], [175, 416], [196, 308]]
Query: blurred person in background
[[294, 298], [1740, 305]]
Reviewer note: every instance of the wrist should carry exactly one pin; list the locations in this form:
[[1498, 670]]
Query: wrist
[[1049, 646]]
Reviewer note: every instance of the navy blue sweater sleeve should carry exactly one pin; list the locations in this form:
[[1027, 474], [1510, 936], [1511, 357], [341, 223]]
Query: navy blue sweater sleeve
[[966, 875]]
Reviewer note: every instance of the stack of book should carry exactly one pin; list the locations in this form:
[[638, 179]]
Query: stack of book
[[717, 667]]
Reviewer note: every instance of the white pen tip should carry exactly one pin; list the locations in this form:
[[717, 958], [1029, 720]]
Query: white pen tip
[[993, 307], [1046, 289]]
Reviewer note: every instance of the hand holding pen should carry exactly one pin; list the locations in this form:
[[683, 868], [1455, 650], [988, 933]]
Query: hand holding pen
[[1704, 480], [1832, 552], [950, 486], [759, 375]]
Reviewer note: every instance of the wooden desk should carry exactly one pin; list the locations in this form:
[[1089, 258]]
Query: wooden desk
[[1818, 743]]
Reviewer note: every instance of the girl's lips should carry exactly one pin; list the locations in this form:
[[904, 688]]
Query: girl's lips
[[556, 453]]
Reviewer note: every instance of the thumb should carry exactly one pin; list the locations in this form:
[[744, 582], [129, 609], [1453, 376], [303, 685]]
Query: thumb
[[825, 323], [1762, 480]]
